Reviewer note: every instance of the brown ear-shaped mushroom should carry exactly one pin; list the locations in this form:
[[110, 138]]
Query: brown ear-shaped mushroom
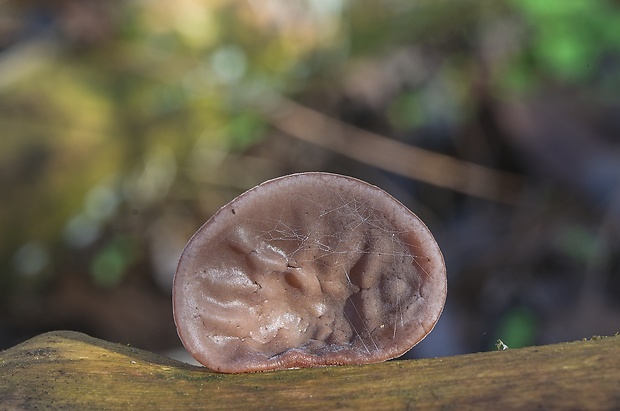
[[307, 270]]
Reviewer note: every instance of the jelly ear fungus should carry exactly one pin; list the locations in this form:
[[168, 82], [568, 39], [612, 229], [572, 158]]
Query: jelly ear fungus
[[306, 270]]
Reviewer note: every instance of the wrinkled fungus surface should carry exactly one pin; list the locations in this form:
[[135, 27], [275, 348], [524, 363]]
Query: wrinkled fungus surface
[[307, 270]]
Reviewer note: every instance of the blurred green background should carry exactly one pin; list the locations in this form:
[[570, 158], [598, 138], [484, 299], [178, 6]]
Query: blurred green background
[[124, 125]]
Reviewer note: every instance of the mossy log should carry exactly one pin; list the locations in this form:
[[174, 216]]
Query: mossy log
[[72, 371]]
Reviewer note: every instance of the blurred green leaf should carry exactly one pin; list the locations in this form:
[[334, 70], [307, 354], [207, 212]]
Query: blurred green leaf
[[569, 37], [109, 266], [245, 129], [518, 328], [579, 243]]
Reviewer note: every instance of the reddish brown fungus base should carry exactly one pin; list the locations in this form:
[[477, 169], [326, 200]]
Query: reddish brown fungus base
[[307, 270]]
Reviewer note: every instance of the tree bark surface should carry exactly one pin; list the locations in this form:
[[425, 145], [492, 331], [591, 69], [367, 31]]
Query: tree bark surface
[[72, 371]]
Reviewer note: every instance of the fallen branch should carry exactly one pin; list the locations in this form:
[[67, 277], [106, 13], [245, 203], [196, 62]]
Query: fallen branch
[[68, 370]]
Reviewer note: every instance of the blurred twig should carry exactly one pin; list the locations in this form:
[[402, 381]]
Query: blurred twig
[[409, 161]]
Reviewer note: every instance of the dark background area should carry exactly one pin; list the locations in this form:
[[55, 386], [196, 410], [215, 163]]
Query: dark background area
[[125, 125]]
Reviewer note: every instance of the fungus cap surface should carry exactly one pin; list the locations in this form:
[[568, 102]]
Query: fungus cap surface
[[306, 270]]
